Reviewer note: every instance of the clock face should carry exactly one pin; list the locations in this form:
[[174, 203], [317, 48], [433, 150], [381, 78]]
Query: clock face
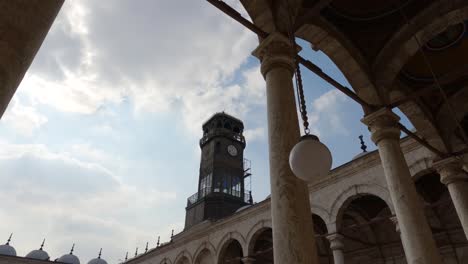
[[232, 150]]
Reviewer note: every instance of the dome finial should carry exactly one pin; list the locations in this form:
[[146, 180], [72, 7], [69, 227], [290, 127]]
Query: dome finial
[[136, 252], [146, 249], [363, 145], [73, 247], [42, 245], [172, 234], [9, 239], [157, 244], [126, 256], [100, 252]]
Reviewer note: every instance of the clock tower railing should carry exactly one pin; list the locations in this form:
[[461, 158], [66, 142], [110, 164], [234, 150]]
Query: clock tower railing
[[219, 133]]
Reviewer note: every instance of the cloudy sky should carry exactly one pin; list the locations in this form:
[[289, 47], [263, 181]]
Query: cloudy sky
[[99, 146]]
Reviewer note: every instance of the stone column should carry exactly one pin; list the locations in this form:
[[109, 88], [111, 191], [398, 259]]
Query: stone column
[[293, 233], [456, 179], [337, 246], [416, 236], [248, 260]]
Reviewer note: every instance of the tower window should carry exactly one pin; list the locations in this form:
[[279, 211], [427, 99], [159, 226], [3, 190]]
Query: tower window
[[227, 126], [217, 147], [236, 129], [205, 185]]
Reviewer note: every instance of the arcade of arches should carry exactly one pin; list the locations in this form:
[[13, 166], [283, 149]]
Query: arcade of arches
[[364, 230], [405, 203]]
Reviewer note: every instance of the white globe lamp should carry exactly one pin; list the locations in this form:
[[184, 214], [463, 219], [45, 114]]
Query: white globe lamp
[[310, 159]]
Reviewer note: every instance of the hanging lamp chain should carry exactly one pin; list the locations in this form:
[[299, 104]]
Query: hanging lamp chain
[[297, 75]]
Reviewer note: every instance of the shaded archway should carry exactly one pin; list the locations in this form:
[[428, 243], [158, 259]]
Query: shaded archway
[[231, 253], [443, 219], [261, 246], [183, 260], [323, 245], [369, 234], [204, 257]]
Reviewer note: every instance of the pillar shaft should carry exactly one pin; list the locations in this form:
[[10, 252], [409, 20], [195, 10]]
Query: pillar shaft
[[337, 247], [416, 236], [456, 179], [293, 234]]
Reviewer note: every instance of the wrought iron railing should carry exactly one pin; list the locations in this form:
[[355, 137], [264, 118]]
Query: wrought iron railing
[[204, 192], [227, 133]]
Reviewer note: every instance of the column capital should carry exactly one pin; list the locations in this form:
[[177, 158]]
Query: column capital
[[382, 124], [336, 241], [275, 51], [248, 260], [450, 170]]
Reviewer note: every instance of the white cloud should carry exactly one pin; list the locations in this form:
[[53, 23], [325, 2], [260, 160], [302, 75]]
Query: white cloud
[[326, 112], [127, 51], [258, 133], [23, 119], [70, 199]]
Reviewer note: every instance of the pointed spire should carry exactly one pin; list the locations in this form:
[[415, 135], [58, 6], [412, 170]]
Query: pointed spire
[[363, 145], [172, 234], [136, 252], [146, 249], [9, 239], [157, 244], [73, 248], [126, 256], [100, 252], [42, 245]]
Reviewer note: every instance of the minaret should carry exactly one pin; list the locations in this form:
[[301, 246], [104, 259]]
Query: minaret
[[221, 178]]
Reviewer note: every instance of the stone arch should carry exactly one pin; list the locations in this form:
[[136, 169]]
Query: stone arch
[[254, 232], [165, 261], [261, 245], [255, 229], [426, 25], [205, 245], [224, 242], [321, 212], [205, 254], [345, 56], [354, 192], [183, 257], [419, 167], [226, 246]]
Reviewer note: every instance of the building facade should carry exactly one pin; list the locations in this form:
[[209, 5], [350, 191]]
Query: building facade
[[353, 216]]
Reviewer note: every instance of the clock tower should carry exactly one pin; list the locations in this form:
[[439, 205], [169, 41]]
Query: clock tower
[[221, 188]]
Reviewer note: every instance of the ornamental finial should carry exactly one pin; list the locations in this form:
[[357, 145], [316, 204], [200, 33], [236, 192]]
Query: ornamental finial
[[363, 145]]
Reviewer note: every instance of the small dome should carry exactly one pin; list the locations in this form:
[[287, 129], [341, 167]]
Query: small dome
[[360, 155], [97, 261], [69, 259], [38, 254], [7, 250], [243, 208]]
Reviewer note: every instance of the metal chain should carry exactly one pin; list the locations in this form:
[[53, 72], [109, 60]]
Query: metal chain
[[298, 77]]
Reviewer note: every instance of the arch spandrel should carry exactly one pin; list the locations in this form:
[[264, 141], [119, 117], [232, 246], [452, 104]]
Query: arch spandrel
[[205, 245], [165, 261], [205, 255], [183, 257], [356, 191], [258, 227], [227, 238]]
